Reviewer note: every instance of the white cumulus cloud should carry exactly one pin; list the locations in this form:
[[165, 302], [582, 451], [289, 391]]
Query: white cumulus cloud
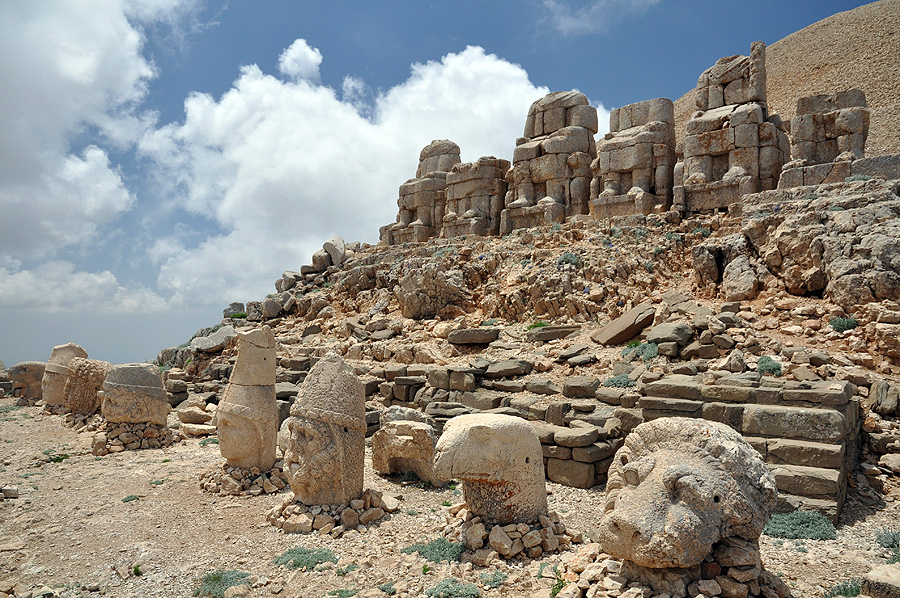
[[580, 17], [300, 61]]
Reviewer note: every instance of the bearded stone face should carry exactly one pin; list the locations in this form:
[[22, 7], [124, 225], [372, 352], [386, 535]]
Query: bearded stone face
[[313, 462], [239, 439]]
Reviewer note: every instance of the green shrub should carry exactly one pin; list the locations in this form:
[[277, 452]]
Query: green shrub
[[620, 381], [444, 251], [238, 316], [537, 324], [438, 550], [767, 365], [807, 525], [632, 344], [342, 571], [645, 351], [206, 441], [895, 557], [388, 588], [857, 177], [130, 498], [811, 196], [836, 209], [848, 587], [494, 579], [304, 558], [213, 585], [556, 227], [673, 237], [844, 324], [343, 593], [569, 258], [704, 232], [453, 588], [888, 537]]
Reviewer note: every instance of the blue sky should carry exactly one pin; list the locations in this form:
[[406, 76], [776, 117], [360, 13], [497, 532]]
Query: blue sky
[[161, 158]]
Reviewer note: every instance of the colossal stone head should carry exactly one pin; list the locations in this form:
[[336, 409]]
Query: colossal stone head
[[326, 435], [56, 373], [678, 486], [247, 417], [85, 380], [499, 460]]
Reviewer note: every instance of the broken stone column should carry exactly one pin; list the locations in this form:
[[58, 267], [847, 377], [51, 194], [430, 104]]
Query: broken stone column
[[405, 446], [53, 384], [499, 460], [827, 134], [550, 177], [83, 384], [325, 448], [475, 194], [134, 393], [422, 199], [248, 413], [26, 377], [733, 145], [633, 169], [684, 494]]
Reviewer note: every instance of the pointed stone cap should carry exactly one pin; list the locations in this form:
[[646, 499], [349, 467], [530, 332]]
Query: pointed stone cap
[[332, 393]]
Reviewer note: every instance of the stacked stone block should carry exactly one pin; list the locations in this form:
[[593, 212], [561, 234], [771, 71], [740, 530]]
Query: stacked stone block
[[551, 173], [733, 146], [635, 160], [422, 199], [828, 133], [475, 194], [805, 431]]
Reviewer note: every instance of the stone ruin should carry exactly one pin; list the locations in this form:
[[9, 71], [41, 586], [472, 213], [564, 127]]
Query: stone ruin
[[26, 377], [686, 503], [83, 385], [404, 443], [247, 421], [499, 461], [733, 146], [56, 372], [828, 133], [635, 160], [551, 172], [134, 411], [422, 199], [324, 451], [474, 197]]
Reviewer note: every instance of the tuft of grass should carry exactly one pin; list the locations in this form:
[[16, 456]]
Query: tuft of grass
[[645, 351], [446, 503], [130, 498], [844, 324], [388, 588], [857, 177], [206, 441], [620, 381], [767, 365], [304, 558], [560, 582], [342, 571], [811, 197], [238, 316], [806, 525], [569, 258], [426, 569], [673, 237], [454, 588], [438, 550], [537, 324], [136, 570], [494, 579], [213, 585], [703, 231], [888, 537], [52, 457], [343, 593], [848, 587]]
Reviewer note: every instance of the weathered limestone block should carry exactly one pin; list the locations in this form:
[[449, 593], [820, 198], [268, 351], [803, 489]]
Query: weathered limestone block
[[828, 132], [633, 170], [679, 486], [550, 175], [732, 148], [325, 447], [248, 413], [422, 200], [83, 384], [405, 446], [56, 372], [134, 393], [499, 460], [26, 377], [475, 194]]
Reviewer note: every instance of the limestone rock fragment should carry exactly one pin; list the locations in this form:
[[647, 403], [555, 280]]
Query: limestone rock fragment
[[26, 377], [53, 384], [134, 393], [405, 446]]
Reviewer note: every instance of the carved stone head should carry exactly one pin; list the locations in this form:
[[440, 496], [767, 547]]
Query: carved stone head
[[678, 486]]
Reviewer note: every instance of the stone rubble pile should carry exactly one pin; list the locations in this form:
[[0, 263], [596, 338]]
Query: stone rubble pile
[[234, 481], [292, 516]]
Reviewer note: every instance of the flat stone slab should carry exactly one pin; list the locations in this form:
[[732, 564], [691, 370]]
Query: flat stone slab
[[550, 333], [626, 326], [507, 368], [882, 582], [473, 336], [214, 342]]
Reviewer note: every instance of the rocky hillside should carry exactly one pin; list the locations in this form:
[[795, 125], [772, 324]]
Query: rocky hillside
[[857, 48]]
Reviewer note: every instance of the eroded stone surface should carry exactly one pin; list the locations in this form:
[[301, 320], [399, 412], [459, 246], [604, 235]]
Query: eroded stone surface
[[84, 382], [134, 393], [56, 372]]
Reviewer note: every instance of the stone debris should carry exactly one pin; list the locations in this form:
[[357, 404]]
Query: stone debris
[[635, 160], [247, 416], [56, 372], [115, 437], [405, 446], [234, 481], [293, 516]]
